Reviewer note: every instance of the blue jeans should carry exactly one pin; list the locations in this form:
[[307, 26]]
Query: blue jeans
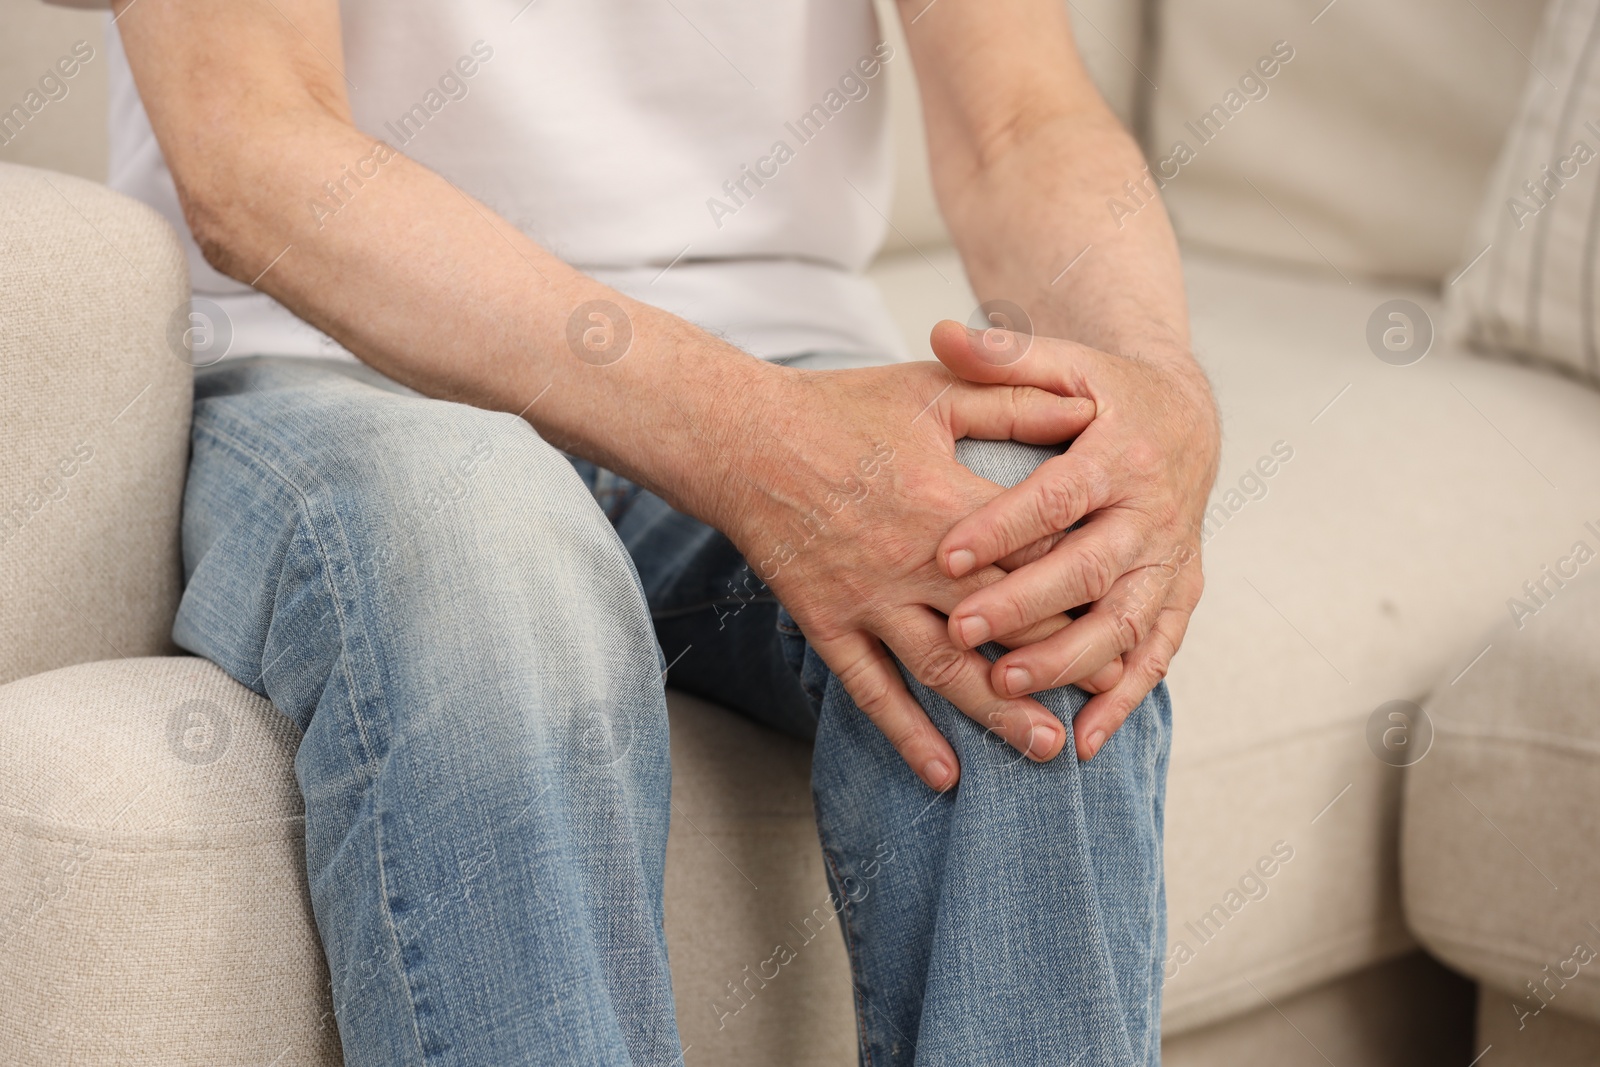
[[468, 629]]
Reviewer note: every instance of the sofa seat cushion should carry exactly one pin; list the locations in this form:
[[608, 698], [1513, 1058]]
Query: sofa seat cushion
[[1501, 872], [744, 876], [1553, 1040], [154, 901], [1362, 570]]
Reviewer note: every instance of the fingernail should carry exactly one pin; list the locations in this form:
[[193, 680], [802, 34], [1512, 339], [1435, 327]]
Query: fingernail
[[960, 562], [1017, 680], [1095, 739], [936, 774], [1043, 743], [974, 630]]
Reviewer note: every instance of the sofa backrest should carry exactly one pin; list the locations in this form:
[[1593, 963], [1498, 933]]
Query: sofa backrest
[[1369, 151], [1366, 156], [94, 420], [68, 132]]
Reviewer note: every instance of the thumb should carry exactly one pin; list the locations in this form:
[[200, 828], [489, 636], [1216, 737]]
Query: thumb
[[998, 356], [983, 356]]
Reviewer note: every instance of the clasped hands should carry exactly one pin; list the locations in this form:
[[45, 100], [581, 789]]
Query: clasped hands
[[928, 561]]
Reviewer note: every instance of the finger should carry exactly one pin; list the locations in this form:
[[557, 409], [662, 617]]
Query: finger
[[1143, 668], [1084, 567], [1104, 678], [1028, 553], [917, 637], [944, 594], [1015, 413], [1061, 367], [1098, 681], [873, 681], [1113, 626], [1059, 492]]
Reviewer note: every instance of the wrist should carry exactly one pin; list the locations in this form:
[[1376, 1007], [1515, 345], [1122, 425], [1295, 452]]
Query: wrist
[[735, 423]]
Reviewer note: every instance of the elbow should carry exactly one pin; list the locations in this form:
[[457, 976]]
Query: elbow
[[209, 223]]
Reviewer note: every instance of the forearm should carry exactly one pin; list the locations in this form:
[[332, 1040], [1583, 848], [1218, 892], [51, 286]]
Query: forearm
[[1026, 157], [1034, 226], [435, 290]]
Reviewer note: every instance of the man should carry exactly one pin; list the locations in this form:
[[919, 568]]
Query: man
[[586, 220]]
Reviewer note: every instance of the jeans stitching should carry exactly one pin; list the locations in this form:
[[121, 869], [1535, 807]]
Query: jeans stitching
[[1151, 721], [851, 946], [251, 455], [702, 605]]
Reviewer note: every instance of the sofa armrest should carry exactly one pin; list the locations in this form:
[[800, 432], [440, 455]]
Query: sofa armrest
[[1499, 871], [153, 899], [95, 408]]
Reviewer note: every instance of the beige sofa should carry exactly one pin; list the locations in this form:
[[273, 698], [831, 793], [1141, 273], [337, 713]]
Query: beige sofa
[[151, 909]]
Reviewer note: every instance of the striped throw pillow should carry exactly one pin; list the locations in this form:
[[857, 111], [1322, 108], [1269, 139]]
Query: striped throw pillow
[[1529, 286]]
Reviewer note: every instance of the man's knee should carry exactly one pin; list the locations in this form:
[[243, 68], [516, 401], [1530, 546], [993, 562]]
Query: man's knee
[[437, 484], [483, 551], [1003, 462]]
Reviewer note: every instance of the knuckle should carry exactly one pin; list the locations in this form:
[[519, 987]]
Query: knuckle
[[1130, 630], [868, 688], [1017, 398], [1094, 574], [1056, 504], [1015, 611], [941, 666], [1158, 660], [901, 739]]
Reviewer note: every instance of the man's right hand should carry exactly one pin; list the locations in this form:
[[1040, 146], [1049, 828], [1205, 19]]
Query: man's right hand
[[838, 491]]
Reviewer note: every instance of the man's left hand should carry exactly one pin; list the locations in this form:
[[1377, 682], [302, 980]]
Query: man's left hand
[[1140, 474]]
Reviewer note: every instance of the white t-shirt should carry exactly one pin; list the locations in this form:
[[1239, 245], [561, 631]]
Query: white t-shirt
[[725, 160]]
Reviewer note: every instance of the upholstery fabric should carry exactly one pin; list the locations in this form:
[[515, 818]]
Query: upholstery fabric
[[1367, 155], [1532, 266], [1407, 1012], [69, 133], [1502, 879], [95, 407], [1552, 1040], [743, 864], [154, 900], [154, 905], [1363, 570]]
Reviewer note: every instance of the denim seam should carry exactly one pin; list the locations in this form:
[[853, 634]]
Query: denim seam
[[851, 951], [1158, 739], [1161, 739], [690, 609], [323, 561], [351, 689]]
